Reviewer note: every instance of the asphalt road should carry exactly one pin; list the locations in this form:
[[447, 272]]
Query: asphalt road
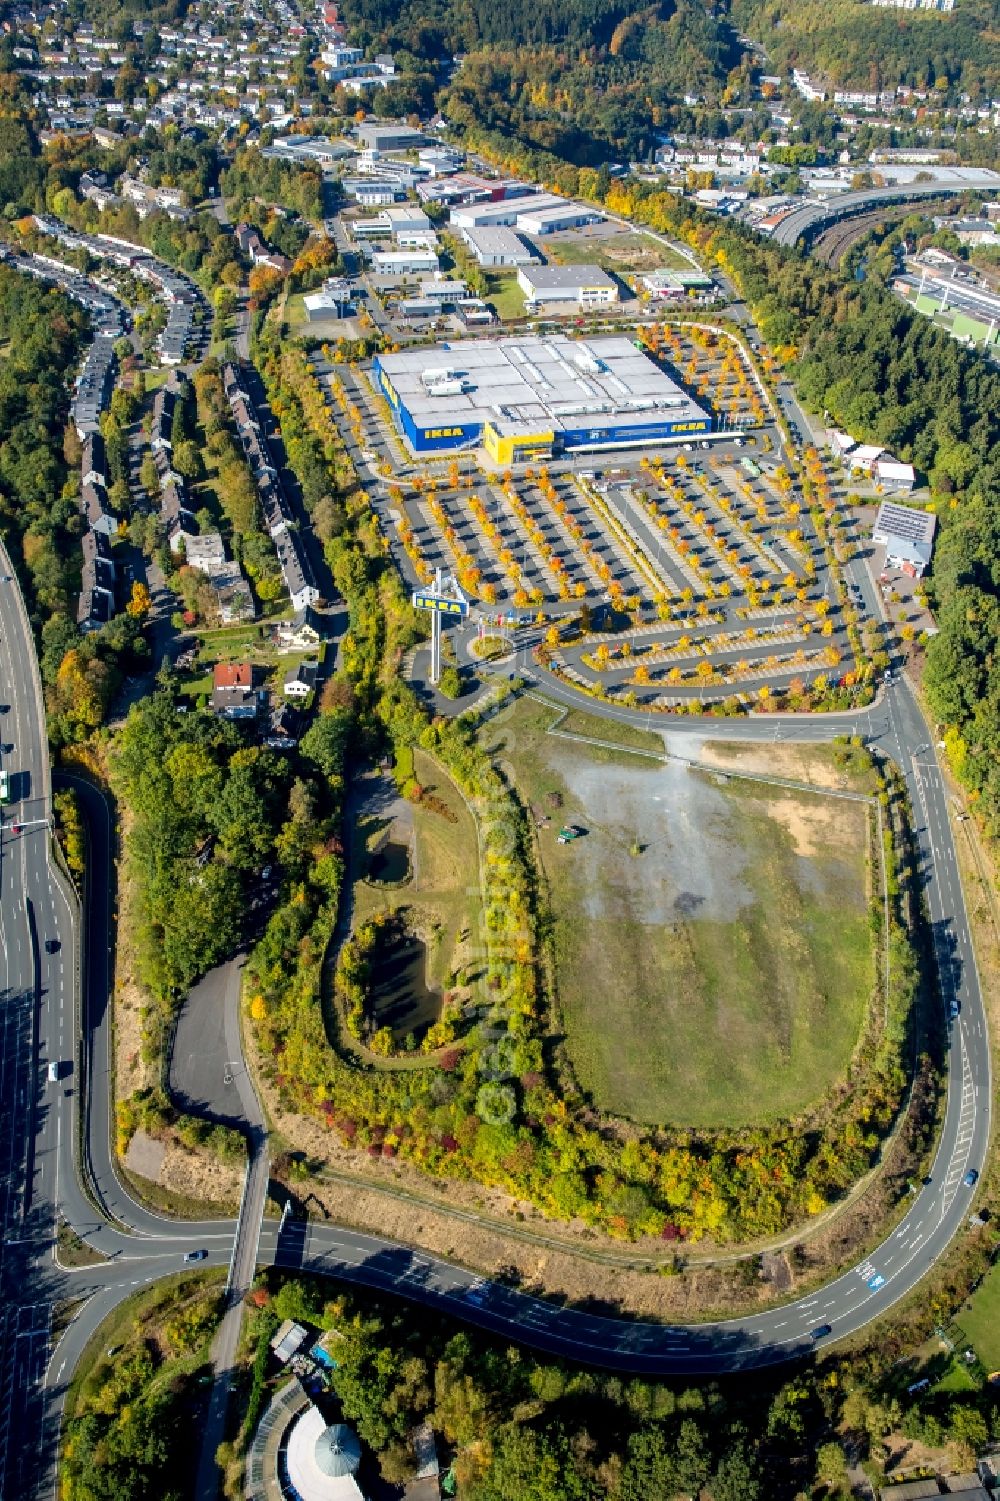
[[42, 1167]]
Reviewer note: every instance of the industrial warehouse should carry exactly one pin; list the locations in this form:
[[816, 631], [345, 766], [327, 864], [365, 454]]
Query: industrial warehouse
[[527, 398]]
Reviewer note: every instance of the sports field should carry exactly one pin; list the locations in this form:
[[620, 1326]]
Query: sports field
[[710, 934]]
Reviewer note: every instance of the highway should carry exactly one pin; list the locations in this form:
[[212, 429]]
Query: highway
[[45, 1176]]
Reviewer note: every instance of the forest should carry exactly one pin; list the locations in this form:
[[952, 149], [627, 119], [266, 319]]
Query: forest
[[854, 45], [464, 25], [594, 106], [514, 1425], [42, 336], [587, 79], [130, 1410]]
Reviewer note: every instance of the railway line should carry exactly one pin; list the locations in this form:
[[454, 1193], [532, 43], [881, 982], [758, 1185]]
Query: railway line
[[834, 243]]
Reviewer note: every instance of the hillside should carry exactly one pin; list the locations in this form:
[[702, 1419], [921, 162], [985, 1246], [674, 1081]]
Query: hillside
[[856, 45]]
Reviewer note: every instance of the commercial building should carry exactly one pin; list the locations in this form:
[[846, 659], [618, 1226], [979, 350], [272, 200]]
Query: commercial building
[[676, 284], [585, 285], [907, 536], [326, 303], [404, 262], [550, 220], [443, 290], [372, 193], [315, 150], [498, 246], [390, 138], [528, 397], [527, 213]]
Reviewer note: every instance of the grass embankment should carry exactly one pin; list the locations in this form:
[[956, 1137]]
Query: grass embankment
[[981, 1321], [711, 942]]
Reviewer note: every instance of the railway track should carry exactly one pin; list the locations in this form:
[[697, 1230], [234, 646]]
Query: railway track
[[834, 243]]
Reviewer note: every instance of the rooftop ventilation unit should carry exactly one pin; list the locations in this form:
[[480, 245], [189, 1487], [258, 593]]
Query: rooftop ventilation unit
[[585, 360]]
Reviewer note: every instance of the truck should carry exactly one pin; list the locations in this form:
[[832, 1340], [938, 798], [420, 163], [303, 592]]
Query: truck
[[568, 833], [4, 787]]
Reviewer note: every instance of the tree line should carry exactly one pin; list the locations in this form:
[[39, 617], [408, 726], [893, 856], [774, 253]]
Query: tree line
[[513, 1425]]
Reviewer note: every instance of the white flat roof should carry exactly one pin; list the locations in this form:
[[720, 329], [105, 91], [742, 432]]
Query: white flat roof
[[537, 381], [562, 277]]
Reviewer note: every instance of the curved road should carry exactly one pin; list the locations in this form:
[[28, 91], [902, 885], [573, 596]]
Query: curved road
[[42, 1126]]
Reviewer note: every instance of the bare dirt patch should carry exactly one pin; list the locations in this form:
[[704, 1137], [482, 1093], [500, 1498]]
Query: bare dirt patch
[[812, 825], [145, 1156], [186, 1173], [200, 1175], [799, 763]]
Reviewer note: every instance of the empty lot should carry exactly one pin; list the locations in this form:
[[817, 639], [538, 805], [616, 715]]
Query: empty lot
[[710, 937]]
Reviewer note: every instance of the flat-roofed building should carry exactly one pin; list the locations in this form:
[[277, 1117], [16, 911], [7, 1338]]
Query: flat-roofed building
[[496, 245], [404, 262], [544, 212], [390, 137], [530, 396], [585, 285]]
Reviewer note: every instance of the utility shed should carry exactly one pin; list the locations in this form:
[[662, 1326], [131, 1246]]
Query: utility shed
[[288, 1341]]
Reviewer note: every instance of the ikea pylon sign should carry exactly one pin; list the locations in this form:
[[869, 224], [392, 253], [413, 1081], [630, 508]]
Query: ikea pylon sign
[[422, 599]]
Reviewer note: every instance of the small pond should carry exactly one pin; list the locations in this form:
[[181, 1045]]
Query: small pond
[[400, 997], [390, 865]]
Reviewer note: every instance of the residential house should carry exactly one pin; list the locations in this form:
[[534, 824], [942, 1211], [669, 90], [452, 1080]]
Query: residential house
[[301, 633], [302, 682], [93, 465], [94, 504], [233, 693]]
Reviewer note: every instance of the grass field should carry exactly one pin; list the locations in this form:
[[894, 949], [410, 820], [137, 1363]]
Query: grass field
[[622, 253], [505, 295], [982, 1322], [442, 894], [710, 937], [579, 722]]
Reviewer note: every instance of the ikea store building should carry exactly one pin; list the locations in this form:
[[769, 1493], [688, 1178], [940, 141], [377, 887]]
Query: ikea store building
[[528, 398]]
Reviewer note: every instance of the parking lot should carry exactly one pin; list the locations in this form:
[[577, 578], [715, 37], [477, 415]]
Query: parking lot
[[689, 574]]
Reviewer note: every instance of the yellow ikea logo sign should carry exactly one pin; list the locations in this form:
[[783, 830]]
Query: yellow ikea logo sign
[[442, 432], [435, 602], [689, 427], [389, 390]]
